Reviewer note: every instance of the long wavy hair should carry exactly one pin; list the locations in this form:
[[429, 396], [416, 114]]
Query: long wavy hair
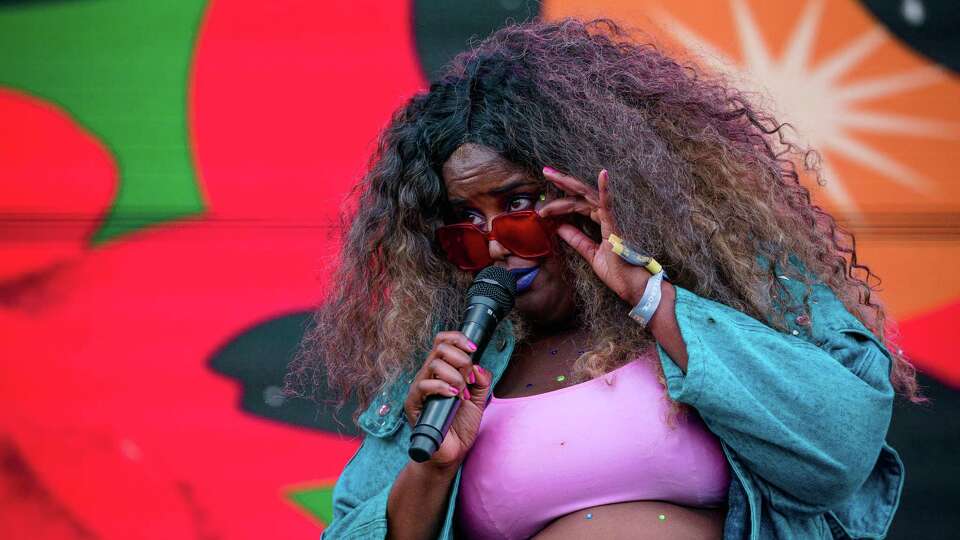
[[701, 178]]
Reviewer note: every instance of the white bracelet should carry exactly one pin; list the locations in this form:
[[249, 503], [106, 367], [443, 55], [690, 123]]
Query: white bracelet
[[649, 302]]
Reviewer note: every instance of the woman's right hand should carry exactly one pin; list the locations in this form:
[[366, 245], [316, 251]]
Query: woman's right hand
[[448, 371]]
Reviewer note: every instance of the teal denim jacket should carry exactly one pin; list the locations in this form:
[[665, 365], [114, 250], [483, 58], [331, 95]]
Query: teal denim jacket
[[802, 420]]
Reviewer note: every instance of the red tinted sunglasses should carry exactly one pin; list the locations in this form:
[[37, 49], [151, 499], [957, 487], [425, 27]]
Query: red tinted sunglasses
[[523, 232]]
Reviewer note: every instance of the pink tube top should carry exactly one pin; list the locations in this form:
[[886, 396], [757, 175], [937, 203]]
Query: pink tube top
[[537, 458]]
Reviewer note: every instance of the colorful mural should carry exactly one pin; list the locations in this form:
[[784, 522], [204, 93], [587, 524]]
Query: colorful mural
[[170, 181]]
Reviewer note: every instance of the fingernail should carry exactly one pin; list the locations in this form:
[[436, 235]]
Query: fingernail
[[472, 378], [549, 170], [466, 394], [479, 369], [454, 390], [471, 345]]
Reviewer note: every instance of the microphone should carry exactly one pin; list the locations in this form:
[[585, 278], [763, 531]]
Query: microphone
[[489, 299]]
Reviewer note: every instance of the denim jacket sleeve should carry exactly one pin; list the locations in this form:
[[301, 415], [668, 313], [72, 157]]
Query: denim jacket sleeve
[[806, 412], [356, 516], [361, 492]]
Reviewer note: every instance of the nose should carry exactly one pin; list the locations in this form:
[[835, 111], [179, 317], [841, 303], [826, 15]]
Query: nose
[[497, 251]]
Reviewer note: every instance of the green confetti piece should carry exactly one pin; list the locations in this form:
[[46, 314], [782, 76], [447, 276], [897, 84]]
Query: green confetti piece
[[561, 378], [662, 517]]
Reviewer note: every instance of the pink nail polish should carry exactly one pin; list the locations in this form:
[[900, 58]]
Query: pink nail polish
[[471, 345], [466, 394], [549, 170], [454, 390], [472, 378]]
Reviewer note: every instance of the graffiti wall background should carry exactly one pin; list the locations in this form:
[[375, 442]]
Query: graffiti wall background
[[171, 174]]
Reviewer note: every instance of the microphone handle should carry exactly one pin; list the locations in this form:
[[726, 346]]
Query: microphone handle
[[479, 322]]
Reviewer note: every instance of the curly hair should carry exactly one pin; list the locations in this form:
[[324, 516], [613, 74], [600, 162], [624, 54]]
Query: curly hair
[[702, 179]]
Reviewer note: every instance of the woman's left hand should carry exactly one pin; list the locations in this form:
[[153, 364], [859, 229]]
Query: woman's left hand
[[626, 280]]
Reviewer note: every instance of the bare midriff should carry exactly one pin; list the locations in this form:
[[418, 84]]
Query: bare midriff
[[638, 520]]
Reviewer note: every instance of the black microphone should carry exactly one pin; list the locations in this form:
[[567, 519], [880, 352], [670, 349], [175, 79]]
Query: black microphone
[[489, 299]]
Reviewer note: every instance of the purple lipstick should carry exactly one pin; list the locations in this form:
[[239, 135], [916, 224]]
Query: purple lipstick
[[525, 277]]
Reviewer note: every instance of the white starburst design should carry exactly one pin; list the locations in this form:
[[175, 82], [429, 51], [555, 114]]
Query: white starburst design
[[812, 99]]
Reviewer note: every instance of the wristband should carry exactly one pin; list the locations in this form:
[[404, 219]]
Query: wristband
[[649, 302]]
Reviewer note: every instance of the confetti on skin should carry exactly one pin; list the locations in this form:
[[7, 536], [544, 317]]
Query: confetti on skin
[[662, 517], [561, 378], [589, 516]]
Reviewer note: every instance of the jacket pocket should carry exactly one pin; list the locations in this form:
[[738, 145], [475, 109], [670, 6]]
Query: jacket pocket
[[863, 354], [384, 416]]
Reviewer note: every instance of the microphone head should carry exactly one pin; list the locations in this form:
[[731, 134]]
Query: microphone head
[[496, 284]]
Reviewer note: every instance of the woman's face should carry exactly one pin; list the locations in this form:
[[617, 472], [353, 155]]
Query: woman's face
[[482, 185]]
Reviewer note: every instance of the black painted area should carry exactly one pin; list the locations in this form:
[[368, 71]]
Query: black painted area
[[928, 440], [443, 28], [258, 359], [935, 34]]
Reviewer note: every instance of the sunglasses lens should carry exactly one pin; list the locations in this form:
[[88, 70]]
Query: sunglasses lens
[[523, 233], [465, 246]]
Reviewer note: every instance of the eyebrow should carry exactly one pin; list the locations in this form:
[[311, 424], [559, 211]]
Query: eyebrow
[[506, 188]]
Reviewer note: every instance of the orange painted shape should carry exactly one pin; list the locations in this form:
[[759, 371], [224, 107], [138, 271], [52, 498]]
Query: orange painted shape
[[908, 115]]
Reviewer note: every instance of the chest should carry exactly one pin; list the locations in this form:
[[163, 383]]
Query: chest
[[535, 373]]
